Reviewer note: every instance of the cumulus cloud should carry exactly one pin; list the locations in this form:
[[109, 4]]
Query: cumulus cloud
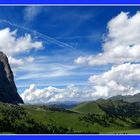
[[122, 43], [120, 80], [11, 44], [121, 48], [33, 95]]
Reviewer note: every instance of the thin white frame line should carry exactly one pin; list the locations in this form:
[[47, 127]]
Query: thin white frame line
[[106, 5]]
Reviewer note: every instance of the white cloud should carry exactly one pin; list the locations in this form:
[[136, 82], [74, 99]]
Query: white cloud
[[122, 43], [11, 44], [120, 80], [33, 95], [18, 63], [31, 12], [121, 48], [15, 62], [43, 70]]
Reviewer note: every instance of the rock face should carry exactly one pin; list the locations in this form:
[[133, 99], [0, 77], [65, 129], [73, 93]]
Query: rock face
[[8, 90]]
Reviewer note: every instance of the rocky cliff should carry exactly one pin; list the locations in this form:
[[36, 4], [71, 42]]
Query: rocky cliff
[[8, 90]]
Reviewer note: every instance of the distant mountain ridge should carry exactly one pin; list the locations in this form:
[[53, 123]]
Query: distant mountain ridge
[[68, 105], [114, 105], [127, 98]]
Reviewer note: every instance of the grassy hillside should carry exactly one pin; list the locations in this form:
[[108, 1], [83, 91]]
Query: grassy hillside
[[89, 107], [110, 107], [93, 117], [80, 123], [18, 119], [96, 107]]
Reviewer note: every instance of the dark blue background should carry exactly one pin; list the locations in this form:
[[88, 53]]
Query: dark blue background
[[60, 137]]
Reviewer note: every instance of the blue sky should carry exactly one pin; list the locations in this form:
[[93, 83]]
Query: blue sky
[[65, 33]]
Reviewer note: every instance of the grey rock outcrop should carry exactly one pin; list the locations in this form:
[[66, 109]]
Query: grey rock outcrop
[[8, 90]]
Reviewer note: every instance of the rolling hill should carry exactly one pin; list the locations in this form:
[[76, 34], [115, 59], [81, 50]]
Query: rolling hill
[[101, 116], [102, 106], [88, 107], [113, 115]]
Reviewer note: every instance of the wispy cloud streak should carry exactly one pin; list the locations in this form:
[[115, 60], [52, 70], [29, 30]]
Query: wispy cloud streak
[[43, 36]]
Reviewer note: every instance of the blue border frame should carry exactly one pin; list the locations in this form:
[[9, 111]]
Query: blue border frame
[[106, 2], [69, 137]]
